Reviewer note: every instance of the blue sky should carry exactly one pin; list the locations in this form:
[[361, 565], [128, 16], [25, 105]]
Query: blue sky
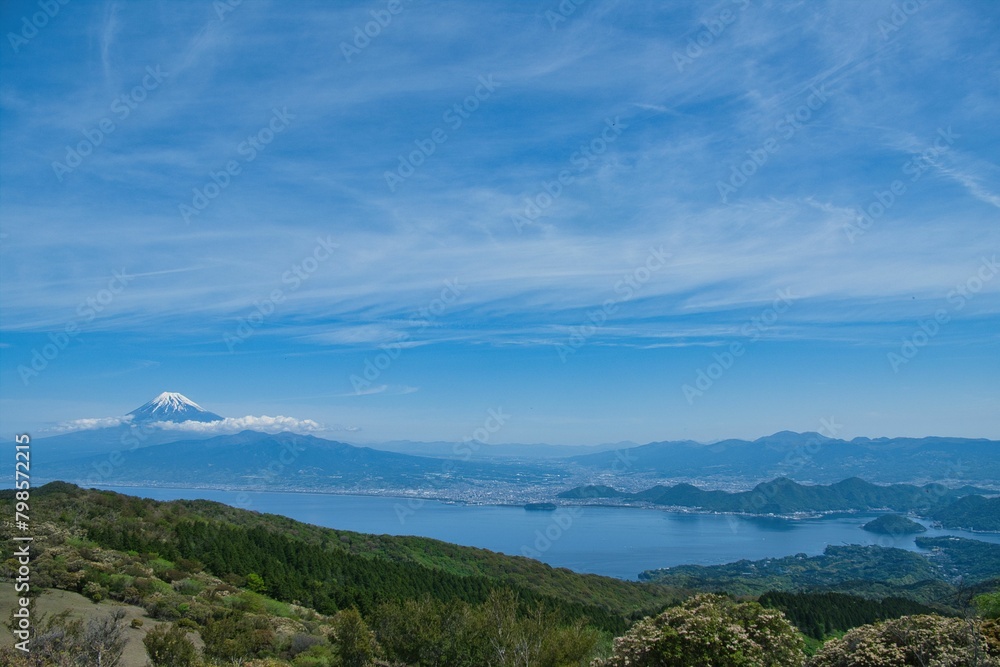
[[624, 222]]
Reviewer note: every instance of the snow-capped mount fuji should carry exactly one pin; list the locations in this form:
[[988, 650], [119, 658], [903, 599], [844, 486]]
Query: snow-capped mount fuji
[[172, 407]]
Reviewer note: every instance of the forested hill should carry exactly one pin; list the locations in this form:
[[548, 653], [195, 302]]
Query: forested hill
[[784, 496], [971, 513], [934, 575]]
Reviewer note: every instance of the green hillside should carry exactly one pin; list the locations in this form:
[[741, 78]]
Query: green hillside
[[970, 513]]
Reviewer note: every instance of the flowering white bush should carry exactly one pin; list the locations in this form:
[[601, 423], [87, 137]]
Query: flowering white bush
[[921, 641], [709, 631]]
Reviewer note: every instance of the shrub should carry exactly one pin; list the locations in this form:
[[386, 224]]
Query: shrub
[[188, 586], [162, 607], [355, 643], [136, 570], [988, 605], [237, 636], [301, 642], [171, 575], [911, 640], [131, 595], [95, 591], [223, 590], [117, 583], [246, 601], [190, 565], [320, 655], [710, 630], [168, 646], [256, 583], [61, 642], [160, 565]]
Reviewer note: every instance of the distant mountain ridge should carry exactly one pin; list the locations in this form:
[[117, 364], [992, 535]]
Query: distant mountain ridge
[[809, 457], [251, 459]]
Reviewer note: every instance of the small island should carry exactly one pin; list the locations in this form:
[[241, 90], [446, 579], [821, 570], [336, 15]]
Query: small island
[[893, 524], [540, 507]]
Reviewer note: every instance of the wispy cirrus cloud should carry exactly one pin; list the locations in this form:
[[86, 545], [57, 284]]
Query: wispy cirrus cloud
[[886, 96], [382, 389], [455, 221]]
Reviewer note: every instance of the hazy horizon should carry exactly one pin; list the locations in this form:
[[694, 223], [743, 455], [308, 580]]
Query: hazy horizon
[[229, 424]]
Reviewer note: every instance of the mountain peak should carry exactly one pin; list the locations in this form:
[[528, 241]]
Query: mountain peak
[[175, 400], [792, 438], [171, 406]]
